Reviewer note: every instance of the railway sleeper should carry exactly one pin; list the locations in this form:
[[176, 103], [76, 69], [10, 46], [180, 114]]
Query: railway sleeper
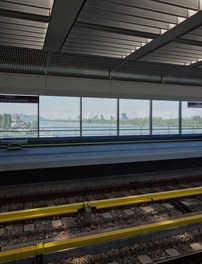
[[180, 206]]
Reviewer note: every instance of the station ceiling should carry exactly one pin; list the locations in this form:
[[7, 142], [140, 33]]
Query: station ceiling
[[144, 40]]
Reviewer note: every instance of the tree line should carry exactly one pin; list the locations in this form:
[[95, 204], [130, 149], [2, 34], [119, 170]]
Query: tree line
[[194, 121], [6, 120]]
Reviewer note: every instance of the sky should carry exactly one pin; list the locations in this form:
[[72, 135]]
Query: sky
[[68, 107]]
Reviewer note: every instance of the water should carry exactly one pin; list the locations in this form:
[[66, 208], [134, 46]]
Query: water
[[72, 129]]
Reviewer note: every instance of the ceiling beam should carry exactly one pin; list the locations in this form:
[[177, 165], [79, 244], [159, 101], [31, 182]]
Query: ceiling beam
[[195, 65], [169, 36], [63, 16]]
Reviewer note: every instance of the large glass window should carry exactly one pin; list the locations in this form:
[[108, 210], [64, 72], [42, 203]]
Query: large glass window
[[99, 117], [59, 116], [165, 117], [191, 119], [133, 117], [18, 119]]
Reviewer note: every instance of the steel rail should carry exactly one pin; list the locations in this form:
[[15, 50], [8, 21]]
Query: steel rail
[[21, 215], [51, 247]]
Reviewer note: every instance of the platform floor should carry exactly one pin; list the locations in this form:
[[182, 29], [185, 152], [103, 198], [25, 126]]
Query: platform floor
[[68, 156]]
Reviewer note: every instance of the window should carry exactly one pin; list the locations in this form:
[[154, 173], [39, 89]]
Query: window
[[191, 119], [133, 117], [59, 116], [99, 117], [165, 117], [18, 116]]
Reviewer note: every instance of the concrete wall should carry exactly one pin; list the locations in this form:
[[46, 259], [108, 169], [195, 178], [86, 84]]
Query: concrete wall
[[69, 86]]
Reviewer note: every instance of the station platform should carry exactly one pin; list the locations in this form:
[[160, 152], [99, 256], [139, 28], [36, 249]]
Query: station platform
[[75, 162], [29, 158]]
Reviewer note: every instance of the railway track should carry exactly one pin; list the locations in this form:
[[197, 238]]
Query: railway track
[[31, 223], [51, 196], [160, 251], [110, 214]]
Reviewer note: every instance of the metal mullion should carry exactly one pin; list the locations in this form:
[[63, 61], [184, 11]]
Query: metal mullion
[[150, 117], [38, 121], [118, 116], [81, 114], [180, 117]]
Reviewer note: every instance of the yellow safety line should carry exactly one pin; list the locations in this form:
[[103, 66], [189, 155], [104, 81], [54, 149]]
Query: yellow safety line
[[97, 238], [39, 212], [100, 204], [144, 198]]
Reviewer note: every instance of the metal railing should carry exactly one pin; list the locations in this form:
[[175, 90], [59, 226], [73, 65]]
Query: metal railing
[[96, 131]]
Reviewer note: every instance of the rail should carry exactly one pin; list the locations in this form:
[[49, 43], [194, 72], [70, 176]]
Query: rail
[[51, 247], [98, 204], [98, 131]]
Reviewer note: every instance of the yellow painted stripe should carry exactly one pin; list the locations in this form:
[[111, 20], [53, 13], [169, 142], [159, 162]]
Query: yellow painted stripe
[[39, 212], [100, 204], [97, 238], [144, 198]]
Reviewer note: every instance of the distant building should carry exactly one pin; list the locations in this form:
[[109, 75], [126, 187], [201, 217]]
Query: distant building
[[124, 116]]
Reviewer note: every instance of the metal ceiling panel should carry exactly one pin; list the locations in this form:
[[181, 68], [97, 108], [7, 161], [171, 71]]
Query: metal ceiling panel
[[195, 34], [154, 6], [114, 42], [100, 35], [165, 60], [114, 23], [29, 7], [41, 30], [46, 4], [122, 17], [13, 32], [132, 11], [191, 4], [99, 45], [24, 23]]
